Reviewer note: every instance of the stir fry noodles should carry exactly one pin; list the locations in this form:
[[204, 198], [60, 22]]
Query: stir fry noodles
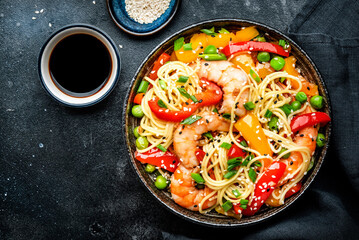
[[227, 122]]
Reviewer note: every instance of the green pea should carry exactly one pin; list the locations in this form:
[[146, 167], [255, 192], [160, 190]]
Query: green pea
[[137, 111], [210, 49], [260, 39], [282, 151], [273, 123], [321, 140], [141, 143], [301, 97], [136, 132], [277, 63], [150, 168], [316, 102], [296, 105], [263, 56], [161, 182]]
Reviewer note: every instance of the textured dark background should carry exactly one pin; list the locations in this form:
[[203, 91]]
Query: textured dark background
[[65, 173]]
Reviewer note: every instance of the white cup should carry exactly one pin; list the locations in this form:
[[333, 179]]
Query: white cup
[[67, 98]]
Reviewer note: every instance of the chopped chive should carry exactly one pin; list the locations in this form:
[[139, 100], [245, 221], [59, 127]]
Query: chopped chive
[[226, 145], [268, 114], [227, 205], [193, 98], [162, 148], [209, 31], [182, 79], [282, 43], [311, 164], [191, 119], [184, 93], [247, 159], [244, 143], [178, 43], [286, 155], [257, 164], [143, 87], [230, 174], [230, 167], [260, 38], [187, 46], [236, 193], [244, 201], [282, 79], [223, 30], [215, 110], [243, 206], [254, 75], [208, 134], [227, 116], [249, 106], [287, 109], [163, 84], [161, 104], [273, 123], [252, 175], [234, 160], [197, 177]]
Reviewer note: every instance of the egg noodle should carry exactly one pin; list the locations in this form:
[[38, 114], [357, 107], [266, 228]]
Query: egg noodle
[[269, 96]]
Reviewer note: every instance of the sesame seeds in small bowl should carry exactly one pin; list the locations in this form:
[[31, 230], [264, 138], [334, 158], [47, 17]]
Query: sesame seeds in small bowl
[[142, 17]]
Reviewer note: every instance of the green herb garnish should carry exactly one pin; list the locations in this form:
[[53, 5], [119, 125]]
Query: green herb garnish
[[178, 43], [191, 119]]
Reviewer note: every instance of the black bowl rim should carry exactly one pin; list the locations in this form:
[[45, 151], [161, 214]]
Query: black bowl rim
[[117, 76], [314, 171], [118, 24]]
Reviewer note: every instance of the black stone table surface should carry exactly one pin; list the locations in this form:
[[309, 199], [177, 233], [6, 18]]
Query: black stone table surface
[[65, 173]]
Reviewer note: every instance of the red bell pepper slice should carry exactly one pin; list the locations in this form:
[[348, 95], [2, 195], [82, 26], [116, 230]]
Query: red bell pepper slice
[[200, 155], [233, 48], [236, 151], [237, 209], [163, 58], [169, 115], [293, 189], [156, 157], [138, 98], [265, 186], [308, 120], [211, 95]]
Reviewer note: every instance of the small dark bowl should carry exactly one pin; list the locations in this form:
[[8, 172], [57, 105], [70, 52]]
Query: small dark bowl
[[308, 70], [118, 13]]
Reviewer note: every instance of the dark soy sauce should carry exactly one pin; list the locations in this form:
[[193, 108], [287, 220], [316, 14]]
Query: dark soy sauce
[[80, 64]]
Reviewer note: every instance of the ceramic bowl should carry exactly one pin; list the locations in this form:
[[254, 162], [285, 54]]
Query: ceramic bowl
[[118, 13], [308, 69], [55, 90]]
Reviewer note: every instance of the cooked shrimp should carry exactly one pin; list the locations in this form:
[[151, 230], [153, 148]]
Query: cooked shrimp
[[230, 79], [185, 193], [305, 137], [185, 137]]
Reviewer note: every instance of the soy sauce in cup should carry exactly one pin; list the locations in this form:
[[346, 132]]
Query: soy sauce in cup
[[80, 64]]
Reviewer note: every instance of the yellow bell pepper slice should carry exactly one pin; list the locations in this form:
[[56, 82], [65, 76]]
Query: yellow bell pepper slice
[[250, 128], [220, 39], [244, 61], [197, 41], [264, 69], [246, 34], [308, 88]]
